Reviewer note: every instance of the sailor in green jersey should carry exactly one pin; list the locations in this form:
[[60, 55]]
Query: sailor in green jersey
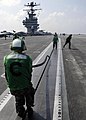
[[55, 39], [18, 71]]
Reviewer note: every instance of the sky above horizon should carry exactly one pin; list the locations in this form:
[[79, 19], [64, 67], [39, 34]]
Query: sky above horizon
[[61, 16]]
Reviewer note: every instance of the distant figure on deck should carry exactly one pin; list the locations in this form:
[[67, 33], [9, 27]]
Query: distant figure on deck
[[68, 41], [55, 39], [5, 37], [15, 36]]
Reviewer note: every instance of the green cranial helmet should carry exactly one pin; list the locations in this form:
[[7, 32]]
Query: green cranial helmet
[[18, 44]]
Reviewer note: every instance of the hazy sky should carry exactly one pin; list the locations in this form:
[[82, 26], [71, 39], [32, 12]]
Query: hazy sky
[[60, 16]]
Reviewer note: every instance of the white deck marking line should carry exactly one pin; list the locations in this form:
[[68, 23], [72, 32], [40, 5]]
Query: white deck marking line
[[57, 111], [3, 75], [4, 100], [41, 55], [8, 96]]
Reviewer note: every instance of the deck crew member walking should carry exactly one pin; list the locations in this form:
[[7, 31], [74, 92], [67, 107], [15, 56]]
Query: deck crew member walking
[[68, 41]]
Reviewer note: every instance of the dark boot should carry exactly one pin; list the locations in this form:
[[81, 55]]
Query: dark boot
[[30, 112], [22, 114]]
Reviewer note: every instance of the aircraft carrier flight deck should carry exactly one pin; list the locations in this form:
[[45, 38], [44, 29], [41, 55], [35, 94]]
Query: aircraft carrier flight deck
[[61, 94]]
